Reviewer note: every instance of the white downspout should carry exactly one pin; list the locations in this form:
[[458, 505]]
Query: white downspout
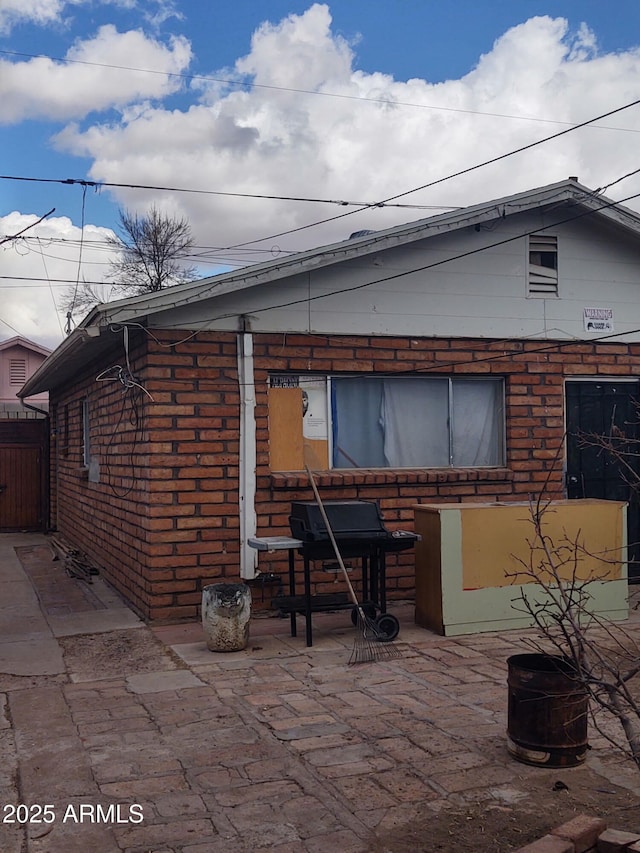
[[247, 456]]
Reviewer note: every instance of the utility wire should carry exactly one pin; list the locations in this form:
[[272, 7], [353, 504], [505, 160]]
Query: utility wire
[[53, 298], [307, 299], [58, 280], [608, 205], [441, 365], [457, 174], [26, 228], [359, 208], [440, 180], [75, 292], [613, 183], [342, 203], [13, 328], [244, 84]]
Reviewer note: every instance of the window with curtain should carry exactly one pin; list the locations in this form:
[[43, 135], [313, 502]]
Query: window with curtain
[[417, 422]]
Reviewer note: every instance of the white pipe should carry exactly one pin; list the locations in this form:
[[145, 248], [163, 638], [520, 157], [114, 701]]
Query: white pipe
[[247, 457]]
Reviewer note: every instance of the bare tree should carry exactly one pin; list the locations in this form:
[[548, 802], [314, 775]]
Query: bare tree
[[603, 657], [152, 252]]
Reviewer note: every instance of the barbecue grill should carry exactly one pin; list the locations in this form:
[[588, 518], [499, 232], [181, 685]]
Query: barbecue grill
[[348, 520], [360, 534]]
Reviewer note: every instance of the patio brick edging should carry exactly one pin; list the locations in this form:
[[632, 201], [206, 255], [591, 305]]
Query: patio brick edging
[[584, 834]]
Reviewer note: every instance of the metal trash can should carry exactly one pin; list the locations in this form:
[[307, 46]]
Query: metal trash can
[[226, 612], [548, 709]]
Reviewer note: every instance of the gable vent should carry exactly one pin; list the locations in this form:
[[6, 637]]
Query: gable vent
[[543, 265], [17, 371]]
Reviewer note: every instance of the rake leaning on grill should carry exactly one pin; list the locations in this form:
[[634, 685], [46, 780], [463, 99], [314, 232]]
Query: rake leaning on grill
[[371, 642]]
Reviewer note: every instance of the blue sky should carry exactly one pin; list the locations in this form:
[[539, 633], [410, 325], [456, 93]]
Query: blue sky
[[347, 100]]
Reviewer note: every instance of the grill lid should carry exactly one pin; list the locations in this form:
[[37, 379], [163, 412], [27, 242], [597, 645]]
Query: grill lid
[[348, 519]]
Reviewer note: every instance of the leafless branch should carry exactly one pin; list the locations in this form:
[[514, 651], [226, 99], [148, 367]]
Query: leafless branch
[[603, 655]]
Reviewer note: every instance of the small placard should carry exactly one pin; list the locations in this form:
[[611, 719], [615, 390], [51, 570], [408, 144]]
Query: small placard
[[598, 319], [284, 381]]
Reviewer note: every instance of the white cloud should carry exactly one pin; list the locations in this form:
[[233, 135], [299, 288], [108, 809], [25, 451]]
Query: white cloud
[[44, 88], [312, 55], [375, 137], [44, 12], [31, 303], [14, 12], [281, 142]]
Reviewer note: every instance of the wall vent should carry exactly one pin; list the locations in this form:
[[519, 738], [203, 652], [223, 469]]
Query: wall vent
[[543, 265]]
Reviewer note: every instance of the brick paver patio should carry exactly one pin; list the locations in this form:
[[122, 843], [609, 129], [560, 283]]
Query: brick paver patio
[[278, 747]]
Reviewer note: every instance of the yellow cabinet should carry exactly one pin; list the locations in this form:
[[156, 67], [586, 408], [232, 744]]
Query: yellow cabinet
[[471, 560]]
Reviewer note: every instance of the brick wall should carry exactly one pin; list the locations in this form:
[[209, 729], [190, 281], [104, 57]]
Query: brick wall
[[163, 519], [106, 518], [534, 374]]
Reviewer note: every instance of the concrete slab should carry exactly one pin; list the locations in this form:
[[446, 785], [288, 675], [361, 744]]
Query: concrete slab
[[22, 621], [17, 591], [158, 682], [93, 622], [197, 654], [31, 656]]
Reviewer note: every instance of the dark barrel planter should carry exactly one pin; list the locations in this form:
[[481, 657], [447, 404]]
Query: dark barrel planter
[[547, 717]]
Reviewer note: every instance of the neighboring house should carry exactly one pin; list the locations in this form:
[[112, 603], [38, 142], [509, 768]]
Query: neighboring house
[[19, 359], [23, 439], [442, 360]]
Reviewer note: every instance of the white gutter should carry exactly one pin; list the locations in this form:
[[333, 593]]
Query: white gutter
[[247, 460]]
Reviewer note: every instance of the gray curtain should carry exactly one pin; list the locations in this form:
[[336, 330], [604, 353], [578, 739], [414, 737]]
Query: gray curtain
[[416, 423]]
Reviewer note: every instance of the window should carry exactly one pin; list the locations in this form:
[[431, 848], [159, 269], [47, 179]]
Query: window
[[385, 422], [62, 417], [417, 423], [543, 265], [86, 434]]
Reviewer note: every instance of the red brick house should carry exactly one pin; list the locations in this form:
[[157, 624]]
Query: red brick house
[[451, 359]]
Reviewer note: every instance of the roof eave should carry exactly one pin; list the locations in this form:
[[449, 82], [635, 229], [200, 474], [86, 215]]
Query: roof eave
[[129, 310], [58, 364]]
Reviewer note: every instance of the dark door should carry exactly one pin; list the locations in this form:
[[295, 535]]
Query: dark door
[[21, 498], [608, 409]]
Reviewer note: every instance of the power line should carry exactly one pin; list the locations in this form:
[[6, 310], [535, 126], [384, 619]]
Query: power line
[[13, 328], [77, 283], [53, 298], [617, 181], [457, 174], [26, 228], [57, 280], [359, 207], [308, 299], [340, 202], [440, 366], [244, 84], [206, 254], [85, 184], [608, 205]]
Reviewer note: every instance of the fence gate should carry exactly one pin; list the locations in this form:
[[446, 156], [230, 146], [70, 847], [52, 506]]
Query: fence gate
[[22, 476]]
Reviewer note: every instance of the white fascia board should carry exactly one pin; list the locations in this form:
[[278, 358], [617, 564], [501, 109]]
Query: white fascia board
[[39, 381]]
